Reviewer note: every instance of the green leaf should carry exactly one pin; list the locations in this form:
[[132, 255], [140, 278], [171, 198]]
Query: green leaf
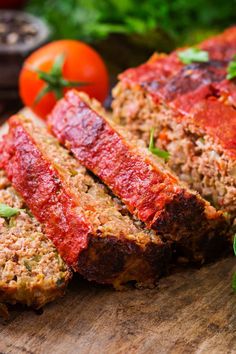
[[54, 80], [42, 93], [231, 69], [234, 244], [60, 282], [158, 152], [27, 265], [58, 92], [193, 55], [234, 282], [92, 20], [234, 276], [7, 212], [58, 65], [67, 83]]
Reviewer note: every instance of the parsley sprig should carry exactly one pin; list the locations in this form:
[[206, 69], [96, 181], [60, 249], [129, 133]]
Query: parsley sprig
[[193, 55], [231, 69], [158, 152], [7, 212], [234, 276]]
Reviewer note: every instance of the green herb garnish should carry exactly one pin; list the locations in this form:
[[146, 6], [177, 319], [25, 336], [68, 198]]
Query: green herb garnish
[[234, 282], [231, 69], [36, 258], [176, 21], [7, 212], [193, 55], [27, 266], [234, 276], [60, 282], [158, 152]]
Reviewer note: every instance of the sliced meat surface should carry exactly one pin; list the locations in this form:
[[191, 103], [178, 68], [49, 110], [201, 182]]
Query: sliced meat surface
[[147, 187], [31, 270], [193, 112], [89, 227]]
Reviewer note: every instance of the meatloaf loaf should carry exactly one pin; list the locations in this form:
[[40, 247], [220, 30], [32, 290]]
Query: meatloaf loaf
[[31, 270], [92, 231], [146, 186], [192, 108]]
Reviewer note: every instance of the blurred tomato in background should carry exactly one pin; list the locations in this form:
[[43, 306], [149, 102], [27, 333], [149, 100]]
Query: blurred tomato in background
[[58, 66]]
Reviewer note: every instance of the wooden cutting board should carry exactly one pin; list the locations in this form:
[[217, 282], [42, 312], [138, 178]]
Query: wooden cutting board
[[191, 311]]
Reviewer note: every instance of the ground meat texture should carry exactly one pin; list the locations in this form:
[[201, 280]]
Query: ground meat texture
[[78, 213], [146, 186], [194, 117], [31, 270]]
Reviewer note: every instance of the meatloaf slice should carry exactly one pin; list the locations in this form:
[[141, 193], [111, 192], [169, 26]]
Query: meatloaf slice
[[193, 112], [202, 144], [31, 270], [164, 76], [92, 231], [146, 186]]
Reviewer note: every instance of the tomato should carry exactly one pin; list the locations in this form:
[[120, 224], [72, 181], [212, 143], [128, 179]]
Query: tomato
[[56, 67]]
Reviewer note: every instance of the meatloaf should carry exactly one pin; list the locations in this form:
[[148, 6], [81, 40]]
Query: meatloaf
[[90, 228], [146, 186], [192, 108], [31, 270]]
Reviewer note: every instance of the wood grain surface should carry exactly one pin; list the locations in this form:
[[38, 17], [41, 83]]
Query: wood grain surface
[[192, 311]]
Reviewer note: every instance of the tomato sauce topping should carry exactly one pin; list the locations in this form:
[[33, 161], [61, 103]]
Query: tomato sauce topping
[[42, 189], [197, 91], [142, 185]]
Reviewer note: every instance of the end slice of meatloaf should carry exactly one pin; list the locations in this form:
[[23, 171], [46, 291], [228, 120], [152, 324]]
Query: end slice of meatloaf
[[163, 77], [31, 270], [92, 231], [192, 109], [146, 186]]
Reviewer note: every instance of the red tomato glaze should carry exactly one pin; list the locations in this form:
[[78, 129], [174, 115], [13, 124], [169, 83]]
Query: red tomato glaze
[[42, 189], [199, 91], [141, 184], [214, 117]]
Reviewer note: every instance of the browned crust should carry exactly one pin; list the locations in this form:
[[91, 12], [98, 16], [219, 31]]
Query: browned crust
[[198, 241], [118, 261]]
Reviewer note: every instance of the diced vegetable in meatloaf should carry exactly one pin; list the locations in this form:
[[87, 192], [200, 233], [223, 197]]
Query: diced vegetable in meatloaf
[[91, 229], [192, 109], [146, 186], [31, 270]]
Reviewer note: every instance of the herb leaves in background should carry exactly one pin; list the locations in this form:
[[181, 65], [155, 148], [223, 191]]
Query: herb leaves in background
[[158, 152], [7, 212], [231, 69], [193, 55], [91, 20], [234, 276]]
